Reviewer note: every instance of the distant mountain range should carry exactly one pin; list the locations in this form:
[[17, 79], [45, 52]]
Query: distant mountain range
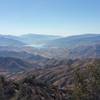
[[51, 41], [75, 41], [52, 48], [73, 47], [4, 41], [34, 40]]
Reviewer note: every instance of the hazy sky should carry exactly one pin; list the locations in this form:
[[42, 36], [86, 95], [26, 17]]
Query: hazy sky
[[49, 16]]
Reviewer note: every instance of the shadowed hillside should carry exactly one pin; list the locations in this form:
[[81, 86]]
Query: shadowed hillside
[[13, 65], [85, 84]]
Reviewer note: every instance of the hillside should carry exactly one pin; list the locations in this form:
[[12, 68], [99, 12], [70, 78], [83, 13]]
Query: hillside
[[34, 40], [74, 41], [68, 81], [60, 73], [85, 51], [22, 55], [4, 41], [37, 38], [11, 64]]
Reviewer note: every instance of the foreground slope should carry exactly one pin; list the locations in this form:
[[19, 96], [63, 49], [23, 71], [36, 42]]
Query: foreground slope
[[55, 84]]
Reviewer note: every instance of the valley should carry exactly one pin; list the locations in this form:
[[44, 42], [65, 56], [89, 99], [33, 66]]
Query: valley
[[58, 70]]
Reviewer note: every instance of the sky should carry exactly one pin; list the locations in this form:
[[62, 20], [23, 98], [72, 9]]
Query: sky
[[62, 17]]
